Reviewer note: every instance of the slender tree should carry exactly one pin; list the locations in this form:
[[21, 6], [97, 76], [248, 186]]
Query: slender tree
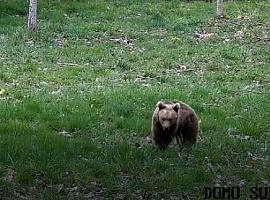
[[32, 17], [219, 8]]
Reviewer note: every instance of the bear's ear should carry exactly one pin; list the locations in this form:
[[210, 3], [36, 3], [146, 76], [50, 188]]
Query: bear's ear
[[160, 105], [176, 107]]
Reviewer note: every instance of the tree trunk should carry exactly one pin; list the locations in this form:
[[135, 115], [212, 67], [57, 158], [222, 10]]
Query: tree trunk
[[219, 8], [32, 17]]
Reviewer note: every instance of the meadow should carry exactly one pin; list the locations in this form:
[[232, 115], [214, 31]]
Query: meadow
[[77, 97]]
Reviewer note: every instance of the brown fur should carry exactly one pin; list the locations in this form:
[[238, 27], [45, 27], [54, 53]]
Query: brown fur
[[173, 119]]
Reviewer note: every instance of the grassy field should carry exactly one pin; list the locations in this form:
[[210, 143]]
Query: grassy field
[[77, 96]]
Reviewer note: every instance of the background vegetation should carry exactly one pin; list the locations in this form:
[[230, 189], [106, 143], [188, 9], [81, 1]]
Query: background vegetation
[[76, 98]]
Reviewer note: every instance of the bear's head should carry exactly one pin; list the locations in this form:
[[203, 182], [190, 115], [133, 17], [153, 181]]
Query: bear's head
[[167, 114]]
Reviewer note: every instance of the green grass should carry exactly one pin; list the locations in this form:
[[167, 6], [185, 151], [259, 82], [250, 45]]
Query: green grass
[[78, 100]]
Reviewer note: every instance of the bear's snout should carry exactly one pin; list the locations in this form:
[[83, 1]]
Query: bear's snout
[[166, 129], [166, 125]]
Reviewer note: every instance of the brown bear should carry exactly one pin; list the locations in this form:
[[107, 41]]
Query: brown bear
[[173, 119]]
